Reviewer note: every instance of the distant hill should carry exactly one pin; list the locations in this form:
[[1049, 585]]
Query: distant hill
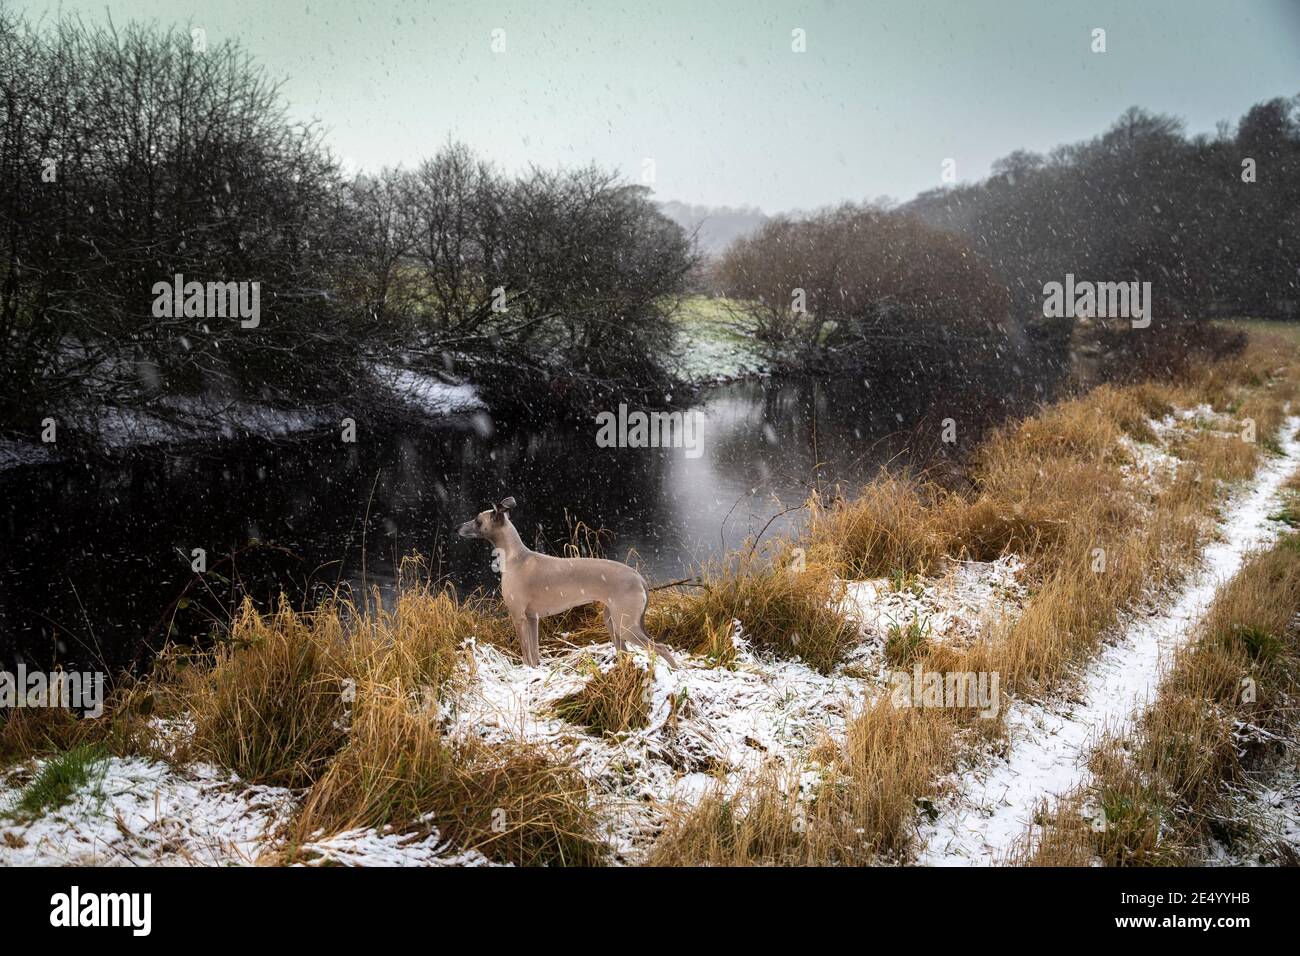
[[718, 226]]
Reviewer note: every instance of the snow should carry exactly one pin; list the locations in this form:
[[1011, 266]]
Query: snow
[[994, 805], [954, 606], [729, 723], [138, 812], [178, 419], [184, 419], [1268, 808], [425, 393], [16, 453], [368, 847]]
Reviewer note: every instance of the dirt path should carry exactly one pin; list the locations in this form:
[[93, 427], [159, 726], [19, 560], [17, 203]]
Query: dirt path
[[1049, 745]]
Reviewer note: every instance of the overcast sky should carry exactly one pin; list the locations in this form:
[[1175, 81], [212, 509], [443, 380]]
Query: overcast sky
[[713, 93]]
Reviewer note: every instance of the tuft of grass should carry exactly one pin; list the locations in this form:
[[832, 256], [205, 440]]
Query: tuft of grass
[[612, 701], [905, 644], [769, 828], [514, 802], [271, 705], [895, 526], [1258, 644], [1288, 514], [59, 778], [785, 608]]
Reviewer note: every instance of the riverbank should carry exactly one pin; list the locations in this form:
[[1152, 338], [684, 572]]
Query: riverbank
[[710, 352], [177, 421], [782, 739]]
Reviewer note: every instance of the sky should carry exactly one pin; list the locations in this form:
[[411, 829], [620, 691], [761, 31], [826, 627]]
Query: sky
[[709, 102]]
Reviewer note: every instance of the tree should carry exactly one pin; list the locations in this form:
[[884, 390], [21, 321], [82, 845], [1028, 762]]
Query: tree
[[859, 287]]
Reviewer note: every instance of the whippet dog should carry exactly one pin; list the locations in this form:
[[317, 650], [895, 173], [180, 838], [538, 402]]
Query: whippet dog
[[535, 586]]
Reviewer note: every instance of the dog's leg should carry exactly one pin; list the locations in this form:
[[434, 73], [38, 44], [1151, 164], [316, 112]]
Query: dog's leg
[[630, 628], [532, 642], [639, 635], [614, 632], [526, 628]]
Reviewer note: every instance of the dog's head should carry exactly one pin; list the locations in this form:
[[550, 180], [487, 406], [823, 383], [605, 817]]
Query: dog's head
[[486, 524]]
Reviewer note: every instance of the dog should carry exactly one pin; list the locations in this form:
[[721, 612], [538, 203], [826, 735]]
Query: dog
[[535, 586]]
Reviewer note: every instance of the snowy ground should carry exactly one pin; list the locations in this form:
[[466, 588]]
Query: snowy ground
[[762, 713], [725, 725], [180, 419], [709, 726], [994, 803], [1268, 809], [427, 394], [138, 812], [952, 607]]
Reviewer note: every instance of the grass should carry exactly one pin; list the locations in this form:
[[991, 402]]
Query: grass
[[61, 776], [907, 643], [713, 348], [787, 606], [612, 701], [1288, 330], [1165, 787], [516, 803], [271, 705]]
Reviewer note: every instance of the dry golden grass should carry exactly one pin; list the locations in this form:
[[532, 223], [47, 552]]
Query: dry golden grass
[[125, 728], [768, 830], [270, 705], [516, 803], [787, 606], [861, 812], [894, 525], [612, 701], [1162, 787]]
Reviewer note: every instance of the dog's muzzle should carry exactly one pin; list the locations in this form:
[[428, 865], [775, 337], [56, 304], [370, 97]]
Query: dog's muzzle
[[468, 530]]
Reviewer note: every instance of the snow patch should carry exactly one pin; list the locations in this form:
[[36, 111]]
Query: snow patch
[[138, 812], [953, 607], [707, 727], [425, 393]]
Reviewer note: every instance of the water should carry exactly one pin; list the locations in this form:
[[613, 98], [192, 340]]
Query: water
[[95, 556]]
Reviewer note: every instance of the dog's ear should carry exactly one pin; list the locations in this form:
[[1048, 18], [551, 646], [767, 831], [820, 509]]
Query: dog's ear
[[507, 504]]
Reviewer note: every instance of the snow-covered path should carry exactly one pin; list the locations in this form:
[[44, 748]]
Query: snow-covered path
[[1049, 745]]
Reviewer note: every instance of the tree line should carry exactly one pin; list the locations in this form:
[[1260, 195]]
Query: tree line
[[131, 156], [1212, 221]]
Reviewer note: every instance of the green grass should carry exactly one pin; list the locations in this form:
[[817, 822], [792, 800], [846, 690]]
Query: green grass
[[61, 777], [712, 347], [1259, 644], [903, 645], [1289, 513]]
